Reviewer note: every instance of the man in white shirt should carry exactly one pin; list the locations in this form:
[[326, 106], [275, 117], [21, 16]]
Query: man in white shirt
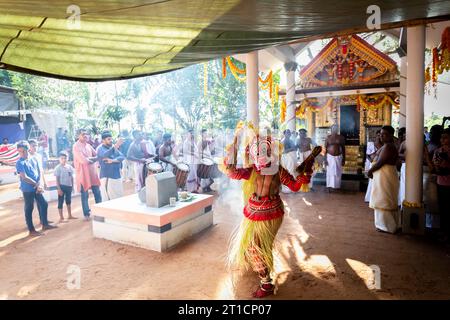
[[34, 154]]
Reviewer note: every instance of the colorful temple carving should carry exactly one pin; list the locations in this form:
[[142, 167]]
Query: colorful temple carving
[[352, 84]]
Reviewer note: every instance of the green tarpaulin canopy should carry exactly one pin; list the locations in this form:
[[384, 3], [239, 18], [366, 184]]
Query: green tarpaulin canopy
[[121, 39]]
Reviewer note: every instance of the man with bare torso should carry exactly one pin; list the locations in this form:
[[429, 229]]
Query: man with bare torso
[[304, 144], [138, 155], [335, 157], [166, 153], [205, 152], [384, 197]]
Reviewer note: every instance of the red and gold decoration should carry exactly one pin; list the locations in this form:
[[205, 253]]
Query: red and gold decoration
[[313, 104], [440, 61], [363, 102], [346, 61], [375, 101]]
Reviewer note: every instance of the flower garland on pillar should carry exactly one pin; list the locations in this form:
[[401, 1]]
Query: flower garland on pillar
[[241, 75], [275, 96], [283, 110]]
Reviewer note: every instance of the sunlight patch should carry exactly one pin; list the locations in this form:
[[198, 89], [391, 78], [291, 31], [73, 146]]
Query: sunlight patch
[[369, 274], [307, 202]]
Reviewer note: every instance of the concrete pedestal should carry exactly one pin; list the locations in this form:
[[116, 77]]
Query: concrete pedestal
[[8, 175], [413, 220], [51, 192], [126, 220]]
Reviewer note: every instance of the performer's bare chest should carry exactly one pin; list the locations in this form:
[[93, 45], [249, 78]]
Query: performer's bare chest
[[267, 185]]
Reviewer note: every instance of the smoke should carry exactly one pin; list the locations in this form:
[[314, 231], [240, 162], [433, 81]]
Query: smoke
[[230, 197]]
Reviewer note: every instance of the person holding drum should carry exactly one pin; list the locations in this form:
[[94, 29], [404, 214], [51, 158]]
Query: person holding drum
[[138, 154], [166, 153], [206, 165], [190, 157]]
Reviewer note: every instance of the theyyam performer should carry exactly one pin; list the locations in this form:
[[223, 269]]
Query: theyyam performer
[[252, 244]]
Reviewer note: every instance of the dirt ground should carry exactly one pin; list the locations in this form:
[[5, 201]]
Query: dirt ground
[[325, 249]]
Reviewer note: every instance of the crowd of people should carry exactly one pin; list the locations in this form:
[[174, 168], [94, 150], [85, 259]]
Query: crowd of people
[[102, 168], [102, 165], [386, 168]]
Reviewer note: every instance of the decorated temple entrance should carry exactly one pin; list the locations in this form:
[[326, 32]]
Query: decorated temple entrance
[[351, 84], [349, 124]]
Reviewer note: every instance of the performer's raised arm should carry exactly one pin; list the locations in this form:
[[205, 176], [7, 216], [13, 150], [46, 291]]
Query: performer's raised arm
[[236, 173], [293, 183]]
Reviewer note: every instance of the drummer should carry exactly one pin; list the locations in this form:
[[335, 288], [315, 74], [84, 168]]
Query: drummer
[[190, 157], [204, 146], [167, 153], [138, 155]]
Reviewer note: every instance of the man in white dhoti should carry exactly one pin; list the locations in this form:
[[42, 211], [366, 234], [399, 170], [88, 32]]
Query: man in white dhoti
[[204, 149], [137, 154], [127, 166], [402, 159], [384, 196], [289, 157], [304, 145], [371, 150], [190, 157], [335, 158], [110, 160]]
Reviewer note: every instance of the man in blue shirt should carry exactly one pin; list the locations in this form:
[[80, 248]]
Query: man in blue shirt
[[30, 180], [110, 159]]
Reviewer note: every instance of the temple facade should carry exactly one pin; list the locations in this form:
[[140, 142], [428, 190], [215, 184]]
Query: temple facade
[[352, 84]]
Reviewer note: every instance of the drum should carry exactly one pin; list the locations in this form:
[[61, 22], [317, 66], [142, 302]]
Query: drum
[[154, 168], [181, 172], [205, 168]]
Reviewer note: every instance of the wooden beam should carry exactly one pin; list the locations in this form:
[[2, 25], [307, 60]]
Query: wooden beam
[[385, 26], [301, 96]]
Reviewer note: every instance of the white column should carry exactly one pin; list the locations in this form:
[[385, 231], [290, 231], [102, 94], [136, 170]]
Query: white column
[[290, 121], [414, 113], [403, 77], [252, 88]]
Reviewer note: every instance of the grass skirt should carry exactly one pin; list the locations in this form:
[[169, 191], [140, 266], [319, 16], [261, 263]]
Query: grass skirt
[[252, 244]]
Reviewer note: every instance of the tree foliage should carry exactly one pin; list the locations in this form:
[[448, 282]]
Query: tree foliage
[[180, 96]]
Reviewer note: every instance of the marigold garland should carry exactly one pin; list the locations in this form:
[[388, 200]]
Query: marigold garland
[[311, 104], [407, 204], [440, 61], [378, 101], [275, 96], [283, 110], [241, 75]]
